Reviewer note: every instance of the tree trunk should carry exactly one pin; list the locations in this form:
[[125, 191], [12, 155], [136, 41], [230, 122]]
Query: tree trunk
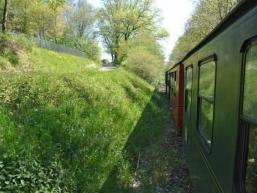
[[116, 53], [5, 15]]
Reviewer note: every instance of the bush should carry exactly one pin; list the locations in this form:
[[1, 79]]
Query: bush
[[145, 64]]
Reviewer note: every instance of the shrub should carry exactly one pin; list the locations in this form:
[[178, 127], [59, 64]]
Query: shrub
[[144, 64]]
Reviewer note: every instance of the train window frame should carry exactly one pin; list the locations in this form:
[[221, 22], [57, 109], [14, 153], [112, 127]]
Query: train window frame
[[203, 140], [245, 124]]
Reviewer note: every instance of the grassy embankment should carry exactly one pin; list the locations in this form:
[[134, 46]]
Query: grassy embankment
[[67, 127], [64, 125]]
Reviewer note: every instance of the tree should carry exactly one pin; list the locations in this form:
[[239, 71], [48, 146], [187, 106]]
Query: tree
[[80, 19], [145, 56], [43, 19], [22, 16], [120, 20], [148, 41], [80, 29], [57, 29], [55, 4], [5, 15]]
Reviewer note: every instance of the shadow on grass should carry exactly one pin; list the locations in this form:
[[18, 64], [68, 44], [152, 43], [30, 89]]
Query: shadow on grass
[[140, 166]]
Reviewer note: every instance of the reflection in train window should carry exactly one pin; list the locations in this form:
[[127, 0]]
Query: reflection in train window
[[250, 93], [206, 101]]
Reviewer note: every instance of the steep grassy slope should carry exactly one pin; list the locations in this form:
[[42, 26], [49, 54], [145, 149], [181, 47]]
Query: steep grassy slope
[[63, 125], [72, 127]]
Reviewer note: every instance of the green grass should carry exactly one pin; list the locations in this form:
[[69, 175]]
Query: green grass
[[67, 127], [73, 124]]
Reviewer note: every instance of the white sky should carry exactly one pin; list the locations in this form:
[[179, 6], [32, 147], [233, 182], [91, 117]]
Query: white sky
[[175, 14]]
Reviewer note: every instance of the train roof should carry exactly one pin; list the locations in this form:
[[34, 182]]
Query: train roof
[[242, 8]]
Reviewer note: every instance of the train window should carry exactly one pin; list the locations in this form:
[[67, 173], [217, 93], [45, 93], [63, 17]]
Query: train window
[[206, 100], [250, 92], [188, 90], [250, 118]]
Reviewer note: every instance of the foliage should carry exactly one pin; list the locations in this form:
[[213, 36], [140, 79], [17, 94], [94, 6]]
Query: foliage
[[64, 22], [21, 176], [147, 41], [200, 24], [145, 64], [81, 17], [88, 45], [79, 32], [145, 57], [55, 4]]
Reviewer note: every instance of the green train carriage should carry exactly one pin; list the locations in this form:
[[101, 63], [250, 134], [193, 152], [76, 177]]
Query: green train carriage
[[220, 106]]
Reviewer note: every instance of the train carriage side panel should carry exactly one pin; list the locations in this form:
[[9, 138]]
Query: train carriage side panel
[[218, 162]]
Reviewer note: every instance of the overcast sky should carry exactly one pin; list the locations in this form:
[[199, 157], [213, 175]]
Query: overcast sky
[[175, 14]]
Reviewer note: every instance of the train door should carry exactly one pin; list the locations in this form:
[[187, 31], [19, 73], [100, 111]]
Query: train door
[[246, 171], [188, 100]]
